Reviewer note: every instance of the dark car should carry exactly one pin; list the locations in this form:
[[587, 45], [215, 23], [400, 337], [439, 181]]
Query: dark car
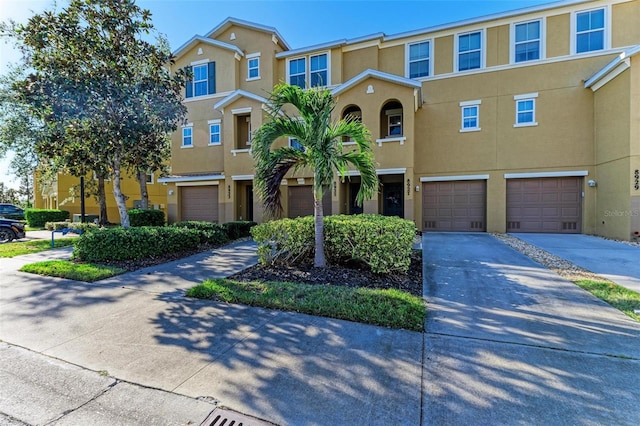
[[10, 229], [11, 211]]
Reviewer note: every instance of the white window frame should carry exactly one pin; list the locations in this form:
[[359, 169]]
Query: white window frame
[[211, 123], [253, 57], [150, 179], [606, 30], [483, 50], [524, 98], [428, 58], [398, 112], [542, 41], [189, 127], [205, 81], [307, 68], [468, 105], [291, 139]]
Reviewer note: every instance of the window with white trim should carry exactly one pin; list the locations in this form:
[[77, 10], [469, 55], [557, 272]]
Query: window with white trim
[[394, 121], [527, 41], [295, 144], [187, 136], [419, 59], [312, 70], [469, 53], [253, 66], [214, 132], [149, 178], [470, 116], [526, 110], [590, 30], [202, 80]]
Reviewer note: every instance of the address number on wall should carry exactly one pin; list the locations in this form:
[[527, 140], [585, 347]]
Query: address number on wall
[[636, 179]]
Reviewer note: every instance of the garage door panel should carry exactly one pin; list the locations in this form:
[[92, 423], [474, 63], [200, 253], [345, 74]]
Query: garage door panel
[[544, 205], [454, 206], [199, 203]]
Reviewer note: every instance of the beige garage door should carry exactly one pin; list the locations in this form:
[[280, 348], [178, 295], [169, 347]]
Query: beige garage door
[[199, 203], [454, 205], [544, 205], [301, 201]]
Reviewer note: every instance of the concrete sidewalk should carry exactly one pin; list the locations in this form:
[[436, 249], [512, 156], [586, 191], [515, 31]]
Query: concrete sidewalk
[[282, 367]]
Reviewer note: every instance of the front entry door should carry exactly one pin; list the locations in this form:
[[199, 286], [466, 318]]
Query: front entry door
[[392, 199], [354, 187], [249, 201]]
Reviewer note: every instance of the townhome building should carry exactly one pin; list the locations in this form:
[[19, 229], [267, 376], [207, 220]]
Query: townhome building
[[523, 121]]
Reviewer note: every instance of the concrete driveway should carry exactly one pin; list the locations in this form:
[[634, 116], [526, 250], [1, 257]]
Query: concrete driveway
[[510, 342], [616, 261]]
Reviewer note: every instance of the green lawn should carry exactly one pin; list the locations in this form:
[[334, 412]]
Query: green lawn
[[19, 248], [87, 272], [617, 296], [389, 308]]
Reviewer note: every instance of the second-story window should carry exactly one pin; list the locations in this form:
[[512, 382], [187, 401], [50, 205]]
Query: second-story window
[[527, 41], [318, 68], [470, 51], [419, 58], [214, 132], [187, 136], [253, 66], [590, 30], [298, 72], [394, 122], [525, 110], [295, 144], [309, 71], [203, 80]]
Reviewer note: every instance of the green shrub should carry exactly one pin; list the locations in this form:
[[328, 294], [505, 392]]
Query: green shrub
[[209, 232], [284, 241], [146, 217], [84, 227], [116, 244], [238, 229], [383, 243], [36, 218]]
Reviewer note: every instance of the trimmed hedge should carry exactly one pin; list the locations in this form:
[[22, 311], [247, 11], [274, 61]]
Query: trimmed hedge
[[84, 227], [238, 229], [37, 218], [383, 243], [146, 217], [116, 244], [209, 232]]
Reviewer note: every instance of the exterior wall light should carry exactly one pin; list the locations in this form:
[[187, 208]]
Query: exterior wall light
[[592, 183]]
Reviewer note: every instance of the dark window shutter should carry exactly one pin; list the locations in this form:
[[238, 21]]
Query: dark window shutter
[[189, 84], [211, 77]]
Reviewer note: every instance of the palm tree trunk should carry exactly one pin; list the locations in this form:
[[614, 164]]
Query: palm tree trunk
[[319, 260]]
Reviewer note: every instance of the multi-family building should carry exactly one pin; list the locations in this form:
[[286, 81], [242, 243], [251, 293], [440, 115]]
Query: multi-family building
[[523, 121]]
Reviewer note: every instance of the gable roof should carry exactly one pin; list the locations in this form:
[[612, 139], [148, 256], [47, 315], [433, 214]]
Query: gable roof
[[237, 94], [370, 73], [612, 69], [199, 39], [246, 24]]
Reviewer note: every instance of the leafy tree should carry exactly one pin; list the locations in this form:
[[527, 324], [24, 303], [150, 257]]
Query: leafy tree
[[100, 87], [322, 151]]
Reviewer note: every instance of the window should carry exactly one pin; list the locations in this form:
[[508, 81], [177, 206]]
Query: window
[[214, 132], [253, 66], [295, 144], [590, 33], [149, 178], [470, 111], [526, 110], [419, 59], [297, 72], [187, 136], [318, 68], [469, 51], [394, 122], [527, 41], [203, 80]]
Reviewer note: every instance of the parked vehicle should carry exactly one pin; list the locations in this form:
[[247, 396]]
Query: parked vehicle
[[11, 211], [11, 229]]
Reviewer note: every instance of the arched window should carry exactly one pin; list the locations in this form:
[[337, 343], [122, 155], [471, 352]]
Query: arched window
[[391, 120]]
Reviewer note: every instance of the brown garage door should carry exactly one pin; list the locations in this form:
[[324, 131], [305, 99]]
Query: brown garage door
[[454, 205], [301, 201], [544, 205], [199, 203]]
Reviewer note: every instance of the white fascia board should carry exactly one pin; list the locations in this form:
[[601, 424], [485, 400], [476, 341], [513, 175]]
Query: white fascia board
[[379, 75], [200, 39], [240, 22], [570, 173], [311, 49], [170, 179], [612, 69], [242, 177], [395, 171], [237, 94], [453, 178]]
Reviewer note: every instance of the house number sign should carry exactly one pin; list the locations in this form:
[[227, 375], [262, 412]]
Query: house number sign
[[636, 179]]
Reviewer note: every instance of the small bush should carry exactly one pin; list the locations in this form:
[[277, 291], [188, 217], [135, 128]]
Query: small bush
[[209, 232], [117, 244], [238, 229], [146, 217], [36, 218], [284, 241], [84, 227]]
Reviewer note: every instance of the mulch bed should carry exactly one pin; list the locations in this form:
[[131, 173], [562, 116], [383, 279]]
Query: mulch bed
[[355, 275]]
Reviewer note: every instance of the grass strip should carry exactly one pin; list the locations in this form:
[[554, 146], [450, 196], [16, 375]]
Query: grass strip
[[617, 296], [87, 272], [384, 307], [18, 248]]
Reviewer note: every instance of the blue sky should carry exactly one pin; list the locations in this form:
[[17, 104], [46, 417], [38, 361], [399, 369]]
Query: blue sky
[[302, 23]]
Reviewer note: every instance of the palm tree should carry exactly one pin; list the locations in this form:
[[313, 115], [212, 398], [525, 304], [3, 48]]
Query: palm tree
[[321, 151]]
